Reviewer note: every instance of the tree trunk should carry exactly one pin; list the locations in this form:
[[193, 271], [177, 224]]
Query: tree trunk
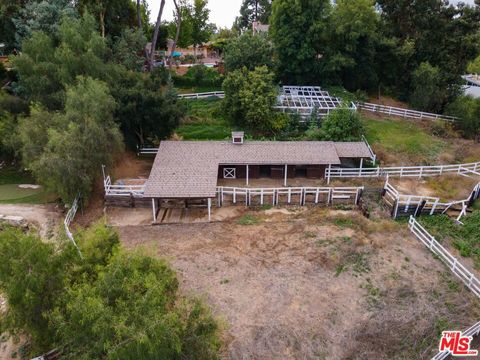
[[177, 34], [139, 15], [155, 35], [102, 23]]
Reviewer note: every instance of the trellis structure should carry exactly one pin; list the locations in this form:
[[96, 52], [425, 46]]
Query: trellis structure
[[306, 100]]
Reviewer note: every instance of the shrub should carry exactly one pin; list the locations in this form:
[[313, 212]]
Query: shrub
[[249, 100], [111, 304], [429, 91], [249, 51], [467, 109], [199, 75], [342, 125]]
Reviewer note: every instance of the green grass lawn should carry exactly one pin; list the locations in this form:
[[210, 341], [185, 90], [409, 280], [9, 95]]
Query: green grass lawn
[[10, 193], [204, 121], [404, 138], [465, 238]]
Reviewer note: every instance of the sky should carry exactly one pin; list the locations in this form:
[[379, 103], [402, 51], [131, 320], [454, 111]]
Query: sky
[[223, 12]]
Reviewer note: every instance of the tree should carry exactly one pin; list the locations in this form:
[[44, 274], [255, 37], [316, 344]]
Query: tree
[[32, 277], [467, 109], [248, 51], [113, 15], [201, 31], [299, 34], [254, 10], [109, 305], [474, 66], [128, 49], [155, 35], [420, 27], [354, 34], [249, 100], [44, 69], [65, 150], [428, 89], [342, 125], [178, 26], [147, 111], [185, 33], [42, 16]]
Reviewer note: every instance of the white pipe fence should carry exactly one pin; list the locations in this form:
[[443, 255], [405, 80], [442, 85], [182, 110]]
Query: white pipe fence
[[402, 204], [373, 156], [468, 278], [68, 220], [122, 190], [405, 171], [457, 268], [404, 113], [205, 95], [287, 195]]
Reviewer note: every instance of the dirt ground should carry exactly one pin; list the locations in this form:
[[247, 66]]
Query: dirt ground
[[388, 101], [45, 218], [448, 188], [314, 284], [129, 167]]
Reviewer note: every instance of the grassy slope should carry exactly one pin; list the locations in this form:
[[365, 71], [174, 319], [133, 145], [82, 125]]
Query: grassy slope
[[405, 141], [204, 121]]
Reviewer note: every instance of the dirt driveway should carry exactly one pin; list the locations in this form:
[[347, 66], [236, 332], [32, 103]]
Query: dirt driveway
[[314, 285]]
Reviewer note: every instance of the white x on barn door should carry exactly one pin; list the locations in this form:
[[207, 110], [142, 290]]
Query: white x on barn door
[[229, 173]]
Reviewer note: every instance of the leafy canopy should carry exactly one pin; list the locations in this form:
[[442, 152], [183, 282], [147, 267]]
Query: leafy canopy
[[249, 51], [109, 305], [249, 100], [65, 150]]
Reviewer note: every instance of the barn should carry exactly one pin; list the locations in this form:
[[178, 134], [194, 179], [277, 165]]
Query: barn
[[189, 171]]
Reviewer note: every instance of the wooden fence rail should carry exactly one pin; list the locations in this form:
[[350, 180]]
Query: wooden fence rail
[[68, 220], [405, 171], [293, 195], [404, 113]]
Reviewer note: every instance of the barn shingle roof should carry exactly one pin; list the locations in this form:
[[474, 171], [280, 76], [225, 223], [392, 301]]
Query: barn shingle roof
[[189, 169]]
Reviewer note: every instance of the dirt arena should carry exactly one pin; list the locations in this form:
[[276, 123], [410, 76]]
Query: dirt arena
[[314, 284]]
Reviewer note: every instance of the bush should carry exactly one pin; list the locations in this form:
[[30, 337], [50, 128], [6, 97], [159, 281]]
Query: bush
[[199, 75], [467, 109], [249, 51], [111, 304], [342, 125], [249, 100], [429, 92]]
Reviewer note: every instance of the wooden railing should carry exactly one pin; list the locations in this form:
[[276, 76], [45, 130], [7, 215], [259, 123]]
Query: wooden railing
[[405, 171], [205, 95], [404, 113], [290, 195]]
